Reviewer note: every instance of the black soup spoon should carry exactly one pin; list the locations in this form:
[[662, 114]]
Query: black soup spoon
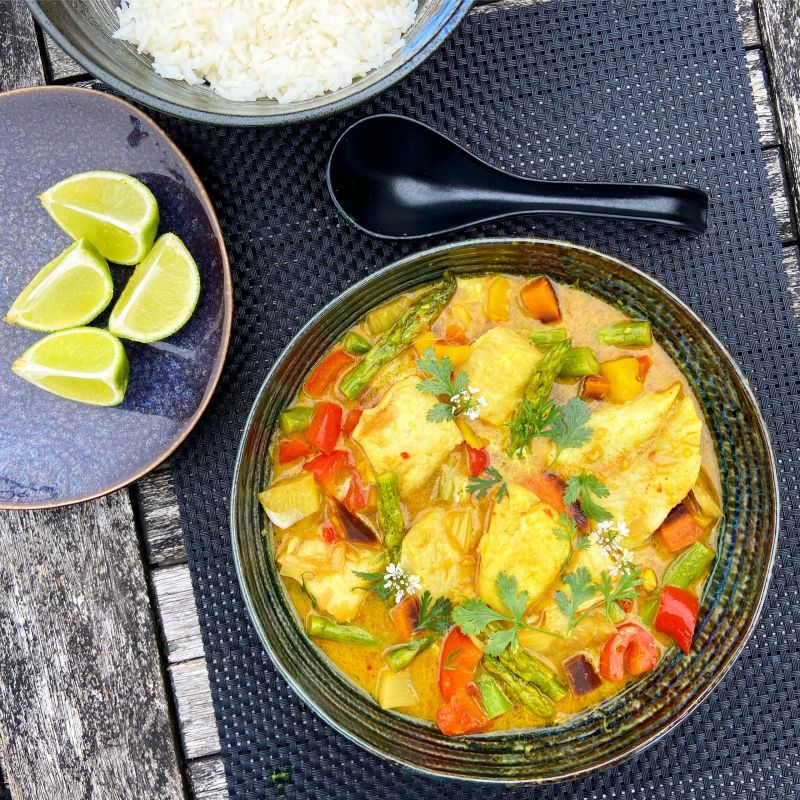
[[396, 178]]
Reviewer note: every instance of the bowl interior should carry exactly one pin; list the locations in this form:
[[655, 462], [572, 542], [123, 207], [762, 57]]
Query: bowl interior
[[84, 30], [645, 710]]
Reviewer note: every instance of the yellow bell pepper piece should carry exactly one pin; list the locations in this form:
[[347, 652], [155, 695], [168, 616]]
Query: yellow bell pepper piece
[[497, 300], [457, 353], [623, 377], [475, 441], [461, 313]]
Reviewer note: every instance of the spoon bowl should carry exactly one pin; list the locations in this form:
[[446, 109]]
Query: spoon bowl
[[395, 178]]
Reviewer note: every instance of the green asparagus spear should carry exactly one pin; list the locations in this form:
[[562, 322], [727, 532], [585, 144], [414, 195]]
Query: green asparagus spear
[[390, 516], [356, 344], [525, 692], [325, 628], [297, 419], [545, 338], [530, 668], [682, 572], [528, 417], [628, 333], [401, 655], [405, 330]]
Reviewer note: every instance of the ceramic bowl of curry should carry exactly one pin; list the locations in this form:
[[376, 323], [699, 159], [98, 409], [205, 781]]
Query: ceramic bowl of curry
[[487, 518]]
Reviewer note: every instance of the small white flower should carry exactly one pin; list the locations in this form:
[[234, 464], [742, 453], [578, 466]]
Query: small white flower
[[401, 583]]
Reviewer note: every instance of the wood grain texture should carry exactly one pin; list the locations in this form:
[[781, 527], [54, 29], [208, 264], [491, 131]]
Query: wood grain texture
[[765, 118], [207, 778], [195, 710], [60, 67], [791, 263], [746, 15], [177, 612], [780, 26], [20, 61], [779, 191], [83, 710], [161, 519]]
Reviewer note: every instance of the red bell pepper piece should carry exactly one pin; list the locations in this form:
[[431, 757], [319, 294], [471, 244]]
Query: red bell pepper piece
[[631, 649], [645, 362], [457, 663], [326, 372], [351, 420], [477, 460], [329, 533], [356, 497], [677, 615], [462, 713], [292, 449], [325, 427], [327, 467]]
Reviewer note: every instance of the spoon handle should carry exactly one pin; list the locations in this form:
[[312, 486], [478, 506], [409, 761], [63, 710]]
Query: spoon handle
[[678, 206]]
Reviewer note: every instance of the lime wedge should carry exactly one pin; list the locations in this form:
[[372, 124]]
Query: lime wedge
[[160, 296], [69, 291], [115, 212], [84, 364]]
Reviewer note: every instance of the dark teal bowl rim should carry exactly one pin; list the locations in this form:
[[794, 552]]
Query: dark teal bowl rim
[[462, 744], [459, 10]]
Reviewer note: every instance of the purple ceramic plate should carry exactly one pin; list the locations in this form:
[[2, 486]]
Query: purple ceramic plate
[[54, 451]]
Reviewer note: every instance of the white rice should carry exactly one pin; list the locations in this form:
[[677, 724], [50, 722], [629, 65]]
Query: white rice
[[287, 50]]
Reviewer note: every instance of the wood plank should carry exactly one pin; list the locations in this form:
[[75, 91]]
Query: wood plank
[[765, 117], [20, 60], [83, 709], [60, 66], [161, 519], [207, 777], [780, 26], [791, 263], [779, 190], [192, 693], [177, 611], [748, 22]]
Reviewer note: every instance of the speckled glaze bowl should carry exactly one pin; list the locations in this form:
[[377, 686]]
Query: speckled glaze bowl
[[84, 30], [645, 710]]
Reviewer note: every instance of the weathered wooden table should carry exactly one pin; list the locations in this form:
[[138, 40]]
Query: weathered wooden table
[[103, 686]]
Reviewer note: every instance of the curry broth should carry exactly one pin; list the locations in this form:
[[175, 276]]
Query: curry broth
[[582, 315]]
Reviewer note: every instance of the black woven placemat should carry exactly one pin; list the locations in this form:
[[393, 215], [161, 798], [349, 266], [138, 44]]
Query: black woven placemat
[[652, 90]]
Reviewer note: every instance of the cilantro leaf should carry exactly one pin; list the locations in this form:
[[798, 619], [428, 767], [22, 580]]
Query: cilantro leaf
[[508, 591], [580, 589], [624, 590], [433, 615], [481, 486], [474, 615], [376, 583], [532, 419], [440, 372], [499, 640], [440, 412], [581, 488], [568, 427], [565, 528]]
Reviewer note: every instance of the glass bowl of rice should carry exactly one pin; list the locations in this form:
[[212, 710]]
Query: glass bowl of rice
[[250, 62]]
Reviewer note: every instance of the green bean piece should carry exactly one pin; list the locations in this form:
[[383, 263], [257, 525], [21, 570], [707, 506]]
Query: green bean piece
[[628, 333], [405, 330], [493, 698], [545, 338], [682, 572], [295, 420], [401, 655], [355, 344], [390, 515], [580, 361], [325, 628], [523, 691], [537, 393]]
